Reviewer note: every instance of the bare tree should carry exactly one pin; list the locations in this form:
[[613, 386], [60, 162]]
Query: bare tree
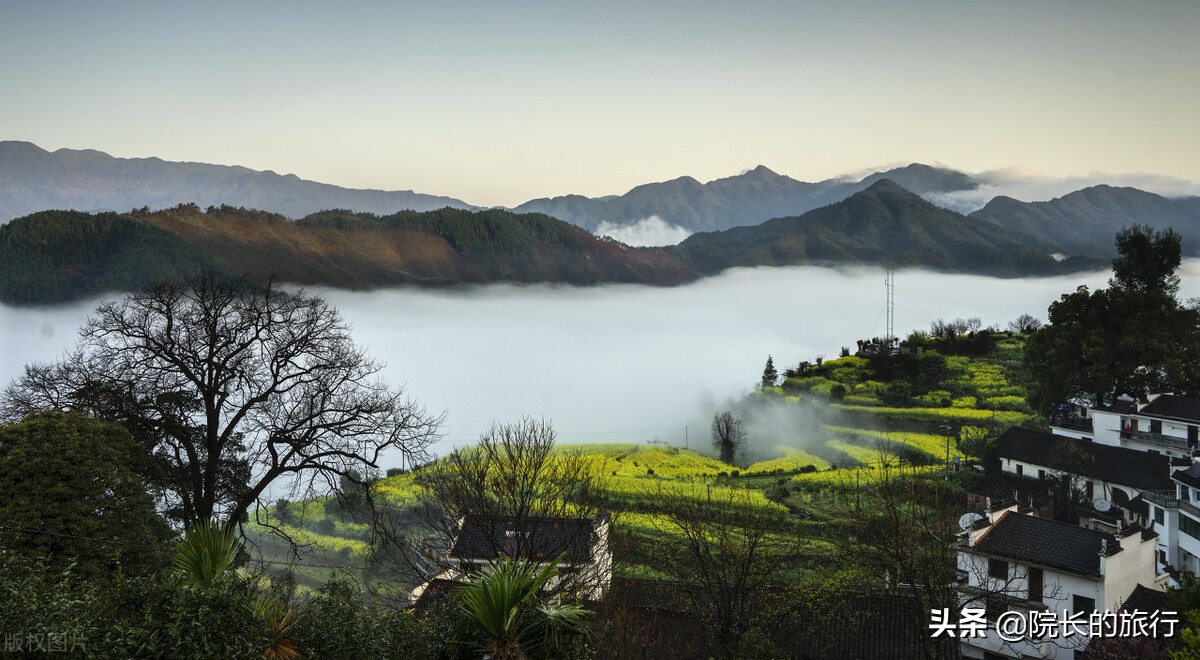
[[514, 494], [903, 531], [229, 389], [899, 532], [959, 326], [1024, 323], [728, 435], [732, 554]]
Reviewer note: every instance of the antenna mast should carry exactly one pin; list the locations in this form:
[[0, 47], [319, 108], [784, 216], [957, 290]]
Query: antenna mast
[[889, 281]]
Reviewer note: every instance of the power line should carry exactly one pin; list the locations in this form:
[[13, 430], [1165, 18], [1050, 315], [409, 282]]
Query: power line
[[127, 544]]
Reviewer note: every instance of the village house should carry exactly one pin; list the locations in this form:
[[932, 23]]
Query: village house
[[1010, 560], [1176, 516], [579, 548], [1111, 479], [1166, 424]]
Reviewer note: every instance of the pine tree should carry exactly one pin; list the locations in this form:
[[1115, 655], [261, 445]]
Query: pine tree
[[769, 374]]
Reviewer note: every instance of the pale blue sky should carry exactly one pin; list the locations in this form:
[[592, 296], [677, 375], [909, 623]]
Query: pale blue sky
[[497, 103]]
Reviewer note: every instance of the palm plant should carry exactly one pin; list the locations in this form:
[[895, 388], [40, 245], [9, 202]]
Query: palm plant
[[206, 552], [503, 601]]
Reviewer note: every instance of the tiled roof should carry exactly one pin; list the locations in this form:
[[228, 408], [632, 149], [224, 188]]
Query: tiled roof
[[537, 539], [1045, 542], [1189, 477], [1145, 599], [1180, 408], [845, 626], [1116, 465], [853, 626]]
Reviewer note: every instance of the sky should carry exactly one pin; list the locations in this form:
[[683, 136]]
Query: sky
[[498, 103]]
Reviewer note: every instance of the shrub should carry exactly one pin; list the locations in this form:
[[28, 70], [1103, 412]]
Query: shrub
[[37, 597], [340, 623], [167, 618]]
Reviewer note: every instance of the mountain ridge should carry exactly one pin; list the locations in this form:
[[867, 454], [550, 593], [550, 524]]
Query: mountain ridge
[[884, 225], [58, 256], [757, 195], [33, 179], [1086, 220]]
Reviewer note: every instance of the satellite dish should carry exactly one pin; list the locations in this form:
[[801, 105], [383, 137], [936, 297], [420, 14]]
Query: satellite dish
[[1102, 505], [967, 520]]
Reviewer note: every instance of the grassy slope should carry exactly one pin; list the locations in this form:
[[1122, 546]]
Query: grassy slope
[[636, 477]]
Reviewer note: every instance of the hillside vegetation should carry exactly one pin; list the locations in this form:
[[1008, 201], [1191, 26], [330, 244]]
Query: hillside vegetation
[[867, 418], [882, 225], [57, 256]]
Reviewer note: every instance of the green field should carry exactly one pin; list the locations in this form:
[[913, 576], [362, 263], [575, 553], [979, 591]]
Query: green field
[[859, 437]]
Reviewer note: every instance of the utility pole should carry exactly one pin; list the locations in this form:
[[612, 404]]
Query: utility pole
[[889, 282], [685, 438], [946, 428]]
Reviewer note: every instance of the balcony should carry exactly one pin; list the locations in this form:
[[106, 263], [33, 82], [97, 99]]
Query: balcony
[[1160, 439], [1167, 499]]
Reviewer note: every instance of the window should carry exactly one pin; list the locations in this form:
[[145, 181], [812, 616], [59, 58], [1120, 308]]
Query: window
[[1089, 489], [1158, 515], [1035, 579], [1189, 526], [1020, 469], [1156, 426], [998, 568], [1082, 604], [1042, 475]]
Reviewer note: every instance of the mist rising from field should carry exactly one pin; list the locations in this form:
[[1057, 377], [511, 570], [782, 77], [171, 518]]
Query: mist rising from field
[[619, 363]]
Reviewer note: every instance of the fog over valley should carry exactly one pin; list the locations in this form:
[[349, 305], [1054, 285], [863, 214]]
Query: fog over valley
[[617, 363]]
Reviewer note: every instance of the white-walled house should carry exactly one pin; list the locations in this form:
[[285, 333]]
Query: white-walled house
[[1106, 473], [1167, 424], [1175, 514], [1013, 561]]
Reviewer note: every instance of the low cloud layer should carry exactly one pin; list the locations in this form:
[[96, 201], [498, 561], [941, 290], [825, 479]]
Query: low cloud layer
[[651, 232], [1029, 186], [619, 363]]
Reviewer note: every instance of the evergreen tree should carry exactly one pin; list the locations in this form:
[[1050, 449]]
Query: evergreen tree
[[1134, 337], [69, 492], [769, 375]]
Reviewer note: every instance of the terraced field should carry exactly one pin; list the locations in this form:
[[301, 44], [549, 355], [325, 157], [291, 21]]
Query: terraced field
[[856, 441]]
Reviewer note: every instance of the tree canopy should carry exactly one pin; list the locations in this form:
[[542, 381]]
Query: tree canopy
[[1133, 338], [228, 389], [68, 493]]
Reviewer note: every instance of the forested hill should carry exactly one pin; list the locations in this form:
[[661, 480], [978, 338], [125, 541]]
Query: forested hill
[[883, 225], [57, 256]]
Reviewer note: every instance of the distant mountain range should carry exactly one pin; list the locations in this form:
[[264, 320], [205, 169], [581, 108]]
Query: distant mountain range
[[884, 225], [746, 199], [33, 179], [1084, 222], [55, 256], [1080, 223], [194, 217]]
